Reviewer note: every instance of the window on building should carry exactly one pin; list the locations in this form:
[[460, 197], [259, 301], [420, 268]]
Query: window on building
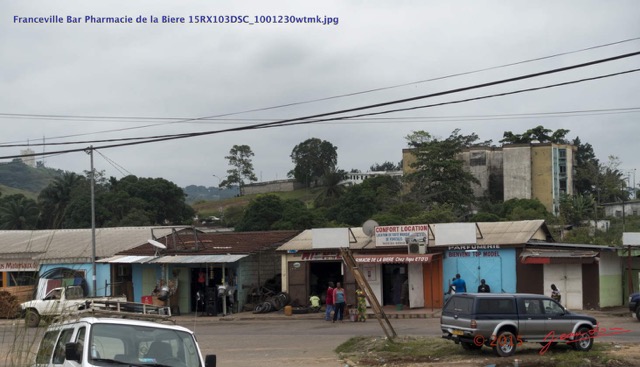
[[478, 159], [618, 213], [563, 186], [562, 153]]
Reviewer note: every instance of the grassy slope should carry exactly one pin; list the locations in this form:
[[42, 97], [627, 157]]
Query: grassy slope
[[207, 208], [6, 191]]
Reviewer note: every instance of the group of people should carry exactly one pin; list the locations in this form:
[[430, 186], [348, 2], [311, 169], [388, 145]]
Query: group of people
[[336, 301], [459, 285]]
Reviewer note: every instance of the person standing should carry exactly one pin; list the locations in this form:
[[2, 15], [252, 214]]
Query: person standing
[[484, 287], [329, 302], [555, 293], [339, 301], [362, 305], [460, 284]]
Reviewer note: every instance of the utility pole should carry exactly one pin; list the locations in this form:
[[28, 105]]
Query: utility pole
[[93, 223]]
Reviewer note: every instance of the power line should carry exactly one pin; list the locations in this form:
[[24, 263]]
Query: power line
[[301, 120], [385, 120], [129, 118]]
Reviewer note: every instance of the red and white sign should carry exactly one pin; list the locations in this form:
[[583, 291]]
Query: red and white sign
[[393, 259]]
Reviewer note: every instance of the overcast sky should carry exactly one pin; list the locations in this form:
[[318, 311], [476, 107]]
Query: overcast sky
[[177, 72]]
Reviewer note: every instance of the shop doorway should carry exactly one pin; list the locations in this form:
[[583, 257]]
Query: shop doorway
[[393, 280], [320, 274]]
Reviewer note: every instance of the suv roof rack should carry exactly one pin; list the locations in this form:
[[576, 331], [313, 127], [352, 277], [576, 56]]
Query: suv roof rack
[[122, 310]]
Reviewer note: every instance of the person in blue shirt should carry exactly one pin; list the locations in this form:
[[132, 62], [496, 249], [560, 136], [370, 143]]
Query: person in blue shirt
[[460, 284]]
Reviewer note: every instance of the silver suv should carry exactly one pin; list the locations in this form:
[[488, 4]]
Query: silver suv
[[504, 321]]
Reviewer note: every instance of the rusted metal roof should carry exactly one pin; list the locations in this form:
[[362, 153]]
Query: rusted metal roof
[[220, 243]]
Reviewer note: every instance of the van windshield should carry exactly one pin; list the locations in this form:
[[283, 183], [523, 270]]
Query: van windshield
[[142, 345]]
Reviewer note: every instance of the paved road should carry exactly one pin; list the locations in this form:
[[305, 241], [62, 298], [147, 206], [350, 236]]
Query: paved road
[[282, 342], [289, 343]]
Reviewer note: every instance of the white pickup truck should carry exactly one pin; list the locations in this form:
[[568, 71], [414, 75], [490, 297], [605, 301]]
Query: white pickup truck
[[126, 339], [57, 302]]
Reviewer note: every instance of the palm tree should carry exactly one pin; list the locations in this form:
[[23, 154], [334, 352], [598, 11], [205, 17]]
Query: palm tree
[[55, 198], [331, 188], [18, 212]]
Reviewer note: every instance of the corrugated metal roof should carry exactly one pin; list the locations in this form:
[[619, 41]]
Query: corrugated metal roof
[[572, 245], [558, 253], [512, 233], [198, 259], [221, 243], [75, 245], [124, 259], [493, 233], [303, 241]]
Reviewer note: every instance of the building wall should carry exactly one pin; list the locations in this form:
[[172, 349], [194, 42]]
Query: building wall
[[496, 266], [271, 186], [568, 279], [610, 279], [482, 162], [517, 172], [615, 210], [103, 274], [254, 271], [542, 175]]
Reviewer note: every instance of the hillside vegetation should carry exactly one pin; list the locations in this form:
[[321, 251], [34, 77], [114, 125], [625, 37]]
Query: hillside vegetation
[[205, 208], [6, 191], [19, 176]]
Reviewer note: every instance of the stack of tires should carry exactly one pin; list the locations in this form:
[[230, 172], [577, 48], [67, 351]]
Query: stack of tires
[[275, 303]]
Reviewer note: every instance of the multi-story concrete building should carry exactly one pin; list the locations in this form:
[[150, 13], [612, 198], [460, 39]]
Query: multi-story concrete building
[[542, 171]]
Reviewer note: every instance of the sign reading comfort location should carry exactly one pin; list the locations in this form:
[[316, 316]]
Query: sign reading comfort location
[[401, 235]]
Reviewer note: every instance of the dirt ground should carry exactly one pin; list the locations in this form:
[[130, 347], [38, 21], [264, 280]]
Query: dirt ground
[[606, 355]]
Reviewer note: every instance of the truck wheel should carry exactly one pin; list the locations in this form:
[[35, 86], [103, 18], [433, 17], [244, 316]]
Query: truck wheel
[[584, 342], [32, 318], [505, 344], [470, 346]]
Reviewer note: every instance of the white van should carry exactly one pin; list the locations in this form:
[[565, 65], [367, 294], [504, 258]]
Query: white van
[[107, 341]]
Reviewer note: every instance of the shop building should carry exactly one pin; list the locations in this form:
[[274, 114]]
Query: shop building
[[216, 272], [415, 264]]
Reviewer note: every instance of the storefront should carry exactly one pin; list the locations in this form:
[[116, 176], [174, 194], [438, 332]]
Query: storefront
[[19, 277], [496, 265], [397, 274]]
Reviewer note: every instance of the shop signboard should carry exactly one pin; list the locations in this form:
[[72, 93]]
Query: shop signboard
[[402, 235]]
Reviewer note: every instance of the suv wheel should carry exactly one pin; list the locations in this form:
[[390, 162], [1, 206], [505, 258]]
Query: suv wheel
[[505, 344], [470, 346], [584, 342]]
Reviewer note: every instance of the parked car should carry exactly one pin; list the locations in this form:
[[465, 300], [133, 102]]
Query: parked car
[[57, 302], [504, 321], [121, 340], [634, 304]]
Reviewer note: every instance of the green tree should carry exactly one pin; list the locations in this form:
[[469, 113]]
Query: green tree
[[538, 133], [18, 212], [331, 187], [386, 166], [524, 209], [261, 213], [587, 169], [312, 158], [270, 212], [240, 159], [439, 176], [55, 198], [576, 209]]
